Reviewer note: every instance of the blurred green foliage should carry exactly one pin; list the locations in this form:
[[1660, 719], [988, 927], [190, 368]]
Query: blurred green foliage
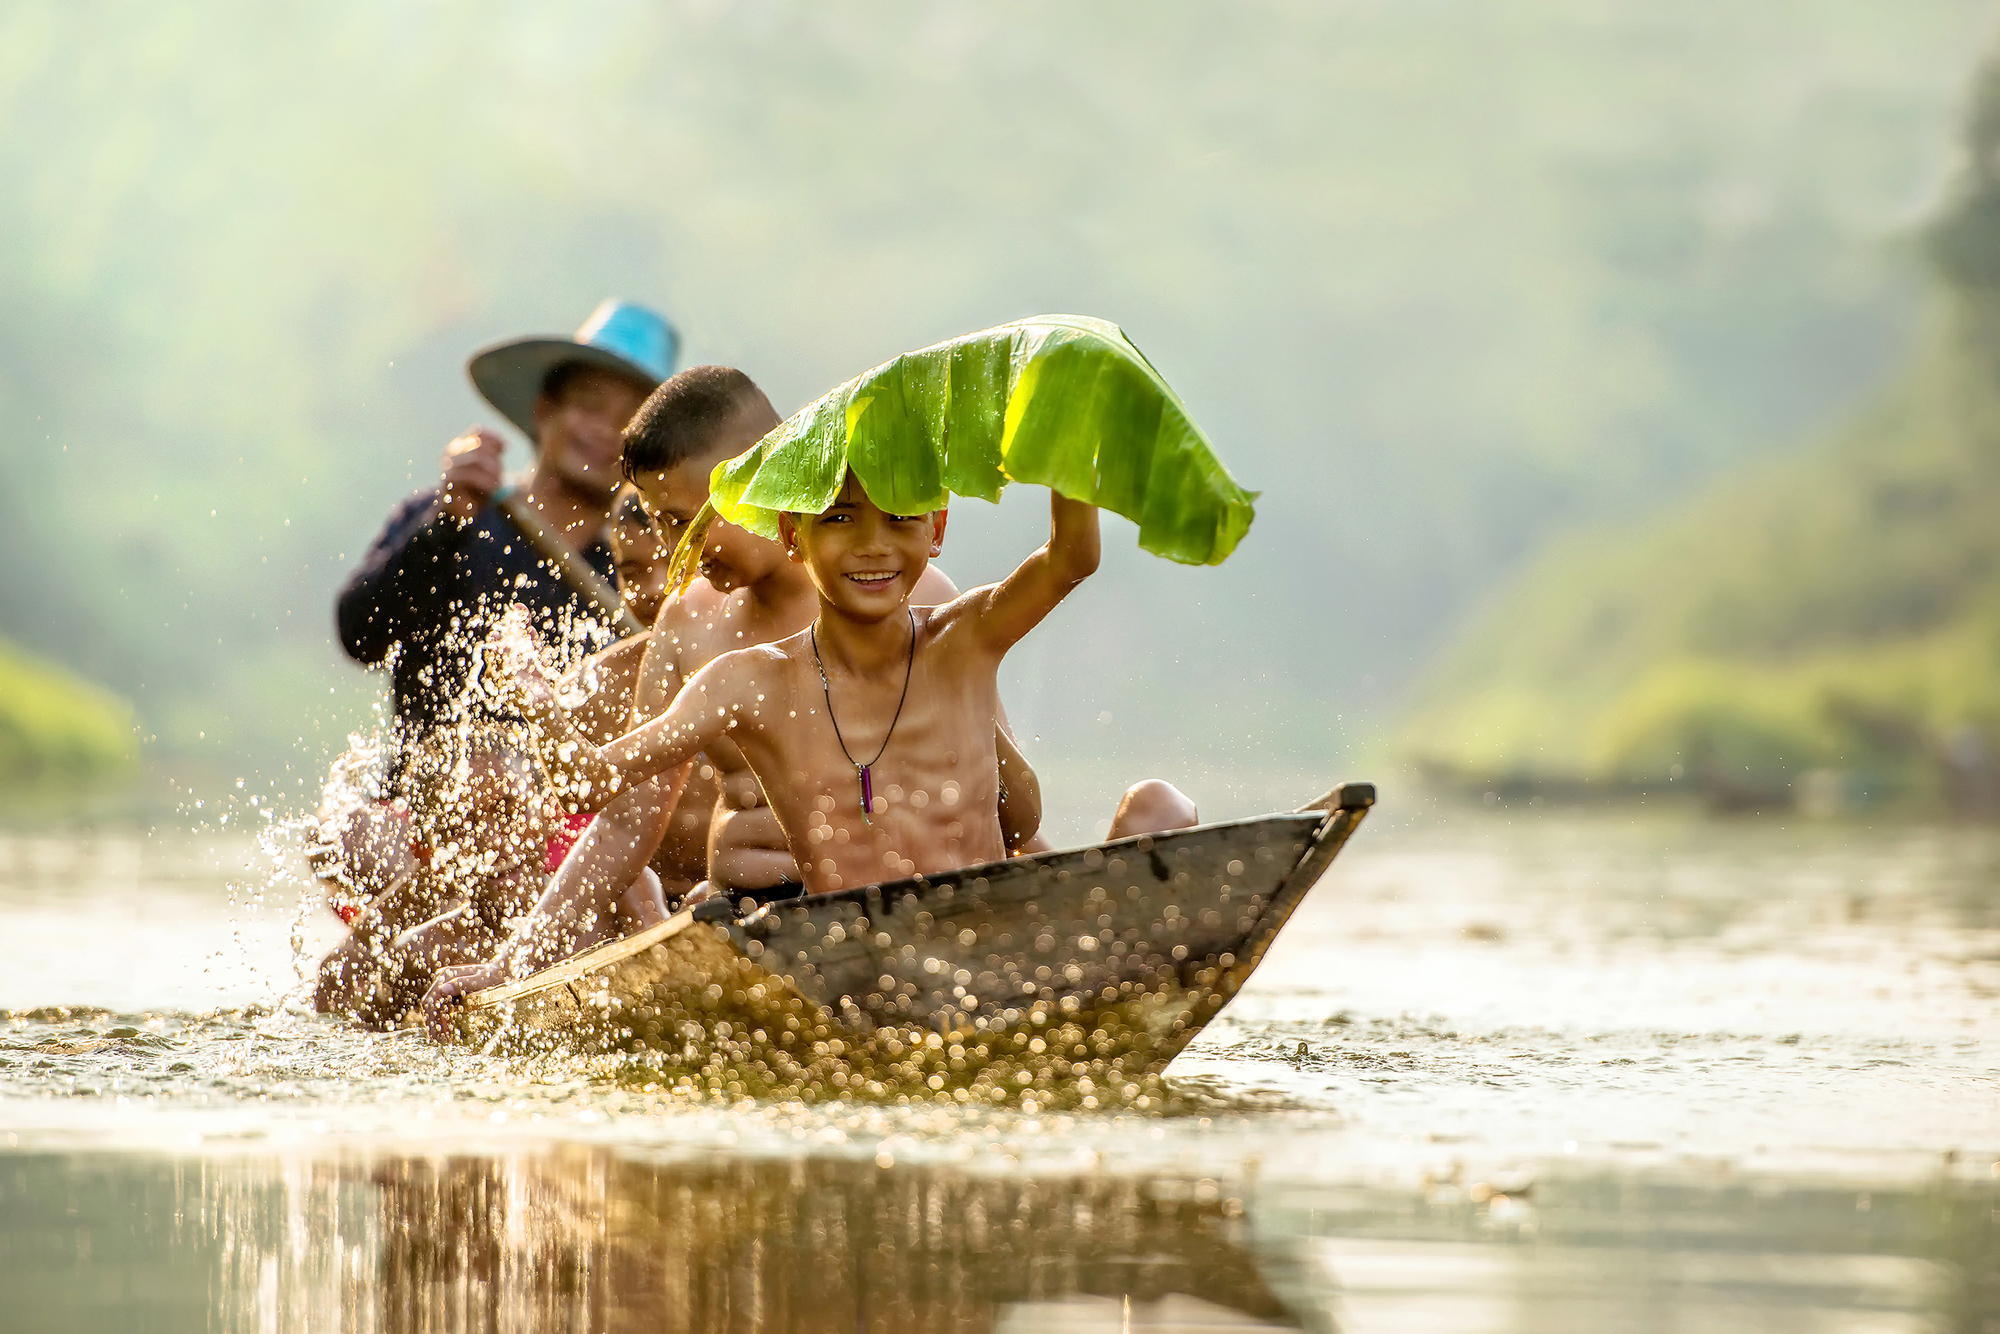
[[1837, 608], [1439, 279], [58, 734]]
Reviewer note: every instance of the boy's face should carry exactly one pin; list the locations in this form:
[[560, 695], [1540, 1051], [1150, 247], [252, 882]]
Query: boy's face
[[641, 567], [730, 557], [864, 560]]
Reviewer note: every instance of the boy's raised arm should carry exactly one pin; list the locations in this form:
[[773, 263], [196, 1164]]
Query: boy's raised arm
[[1006, 611]]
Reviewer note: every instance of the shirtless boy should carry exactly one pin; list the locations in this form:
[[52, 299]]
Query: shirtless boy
[[748, 593], [641, 549], [640, 555], [751, 593], [873, 730]]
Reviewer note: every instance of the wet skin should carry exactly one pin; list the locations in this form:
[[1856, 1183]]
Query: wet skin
[[640, 569], [936, 783], [611, 676], [747, 847], [751, 592]]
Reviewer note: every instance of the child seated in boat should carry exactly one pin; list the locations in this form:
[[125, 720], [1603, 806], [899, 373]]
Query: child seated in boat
[[609, 683], [749, 594], [640, 554], [484, 814], [871, 731]]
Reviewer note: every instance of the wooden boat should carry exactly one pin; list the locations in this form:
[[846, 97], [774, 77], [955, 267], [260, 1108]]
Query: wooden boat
[[1065, 968]]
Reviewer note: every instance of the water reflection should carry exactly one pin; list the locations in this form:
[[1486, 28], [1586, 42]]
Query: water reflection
[[580, 1238], [575, 1237], [1749, 1014]]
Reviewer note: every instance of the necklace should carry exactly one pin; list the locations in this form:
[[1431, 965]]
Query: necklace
[[865, 772]]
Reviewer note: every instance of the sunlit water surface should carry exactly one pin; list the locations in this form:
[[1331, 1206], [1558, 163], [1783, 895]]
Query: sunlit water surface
[[1498, 1074]]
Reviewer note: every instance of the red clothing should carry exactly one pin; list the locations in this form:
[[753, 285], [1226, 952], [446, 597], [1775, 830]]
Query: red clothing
[[564, 839]]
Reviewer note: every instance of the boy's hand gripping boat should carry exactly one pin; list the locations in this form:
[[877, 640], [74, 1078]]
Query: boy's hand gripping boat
[[1065, 967]]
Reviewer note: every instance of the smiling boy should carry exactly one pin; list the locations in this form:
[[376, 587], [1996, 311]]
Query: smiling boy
[[872, 731], [750, 594]]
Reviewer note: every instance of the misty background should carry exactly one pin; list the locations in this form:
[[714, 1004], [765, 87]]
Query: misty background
[[1448, 282]]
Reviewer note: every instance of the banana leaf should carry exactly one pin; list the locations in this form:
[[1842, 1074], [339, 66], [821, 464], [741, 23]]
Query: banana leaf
[[1062, 401]]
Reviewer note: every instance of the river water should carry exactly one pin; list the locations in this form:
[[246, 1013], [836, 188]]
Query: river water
[[1499, 1074]]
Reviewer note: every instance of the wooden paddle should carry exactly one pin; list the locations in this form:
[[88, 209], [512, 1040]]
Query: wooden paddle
[[575, 570]]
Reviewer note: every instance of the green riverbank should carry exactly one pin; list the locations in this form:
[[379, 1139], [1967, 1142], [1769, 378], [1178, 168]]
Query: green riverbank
[[60, 736], [1823, 626]]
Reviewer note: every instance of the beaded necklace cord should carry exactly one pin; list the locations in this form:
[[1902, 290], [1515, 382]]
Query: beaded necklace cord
[[865, 772]]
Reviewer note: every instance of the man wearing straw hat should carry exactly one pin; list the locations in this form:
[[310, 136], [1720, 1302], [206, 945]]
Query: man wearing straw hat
[[452, 558]]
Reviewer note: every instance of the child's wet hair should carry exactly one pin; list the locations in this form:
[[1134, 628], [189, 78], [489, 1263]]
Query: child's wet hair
[[675, 422]]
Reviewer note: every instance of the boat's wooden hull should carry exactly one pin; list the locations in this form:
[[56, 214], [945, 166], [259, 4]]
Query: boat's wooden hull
[[1084, 966]]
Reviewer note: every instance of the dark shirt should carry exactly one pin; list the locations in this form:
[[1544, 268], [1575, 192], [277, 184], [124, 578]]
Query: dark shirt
[[433, 586]]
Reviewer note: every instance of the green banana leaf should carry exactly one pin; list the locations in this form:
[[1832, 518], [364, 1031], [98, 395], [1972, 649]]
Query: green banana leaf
[[1062, 401]]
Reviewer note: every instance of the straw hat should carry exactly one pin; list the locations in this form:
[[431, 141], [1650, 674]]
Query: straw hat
[[620, 337]]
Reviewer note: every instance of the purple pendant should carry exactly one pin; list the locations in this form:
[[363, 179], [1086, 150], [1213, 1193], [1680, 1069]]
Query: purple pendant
[[867, 791]]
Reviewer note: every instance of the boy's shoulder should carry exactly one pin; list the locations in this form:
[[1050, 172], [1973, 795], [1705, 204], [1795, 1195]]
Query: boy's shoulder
[[703, 611], [689, 613], [940, 619], [934, 588], [757, 662], [699, 598]]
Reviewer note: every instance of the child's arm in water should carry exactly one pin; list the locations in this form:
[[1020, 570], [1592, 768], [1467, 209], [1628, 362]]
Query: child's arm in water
[[1002, 613]]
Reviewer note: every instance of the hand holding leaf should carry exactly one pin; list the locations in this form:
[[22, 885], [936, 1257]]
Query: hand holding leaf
[[1062, 401]]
